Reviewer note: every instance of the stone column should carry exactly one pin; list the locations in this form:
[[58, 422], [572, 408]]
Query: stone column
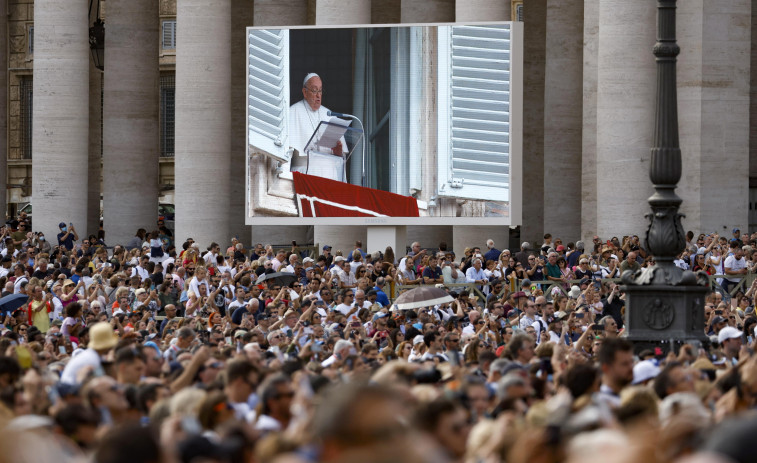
[[61, 115], [386, 11], [427, 11], [535, 27], [467, 236], [753, 100], [482, 10], [378, 238], [428, 235], [241, 18], [325, 12], [589, 129], [563, 87], [625, 115], [4, 114], [95, 160], [130, 119], [714, 113], [340, 238], [280, 13], [203, 119]]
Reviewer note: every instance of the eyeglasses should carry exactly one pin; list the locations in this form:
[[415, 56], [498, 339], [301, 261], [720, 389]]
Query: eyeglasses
[[317, 91], [297, 286], [454, 340]]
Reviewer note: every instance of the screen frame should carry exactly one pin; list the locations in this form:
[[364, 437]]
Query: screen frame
[[515, 204]]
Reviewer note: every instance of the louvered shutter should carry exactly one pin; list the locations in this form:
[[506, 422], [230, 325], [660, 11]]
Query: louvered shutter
[[474, 112], [169, 34], [268, 92]]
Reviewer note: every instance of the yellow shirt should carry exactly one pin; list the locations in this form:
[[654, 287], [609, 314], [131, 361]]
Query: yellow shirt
[[40, 319]]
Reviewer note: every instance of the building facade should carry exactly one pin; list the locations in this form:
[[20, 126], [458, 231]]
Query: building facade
[[165, 121]]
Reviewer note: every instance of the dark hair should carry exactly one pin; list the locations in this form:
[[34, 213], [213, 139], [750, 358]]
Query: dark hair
[[72, 416], [269, 391], [430, 337], [239, 369], [580, 378], [428, 416], [516, 344], [128, 355], [127, 444], [610, 347], [72, 309], [147, 393], [663, 381]]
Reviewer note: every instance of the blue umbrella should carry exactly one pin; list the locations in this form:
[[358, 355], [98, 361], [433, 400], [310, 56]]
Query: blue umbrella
[[12, 302]]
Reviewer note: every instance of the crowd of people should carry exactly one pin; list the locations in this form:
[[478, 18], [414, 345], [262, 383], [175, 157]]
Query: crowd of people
[[153, 352]]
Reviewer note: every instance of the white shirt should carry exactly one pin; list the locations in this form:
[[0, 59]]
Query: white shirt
[[734, 264], [275, 263], [210, 258], [472, 274], [141, 272], [89, 357], [17, 284], [57, 308]]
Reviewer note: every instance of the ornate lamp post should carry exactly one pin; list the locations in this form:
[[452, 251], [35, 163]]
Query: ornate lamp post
[[97, 39], [665, 303]]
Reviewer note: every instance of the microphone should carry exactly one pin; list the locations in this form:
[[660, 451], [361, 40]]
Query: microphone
[[336, 114]]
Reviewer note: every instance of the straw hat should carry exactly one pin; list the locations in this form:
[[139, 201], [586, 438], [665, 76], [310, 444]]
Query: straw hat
[[101, 336]]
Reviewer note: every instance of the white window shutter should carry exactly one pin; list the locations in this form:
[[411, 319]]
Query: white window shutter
[[169, 34], [268, 92], [474, 112]]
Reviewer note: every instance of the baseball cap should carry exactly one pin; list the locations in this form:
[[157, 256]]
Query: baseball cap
[[326, 247], [418, 340], [735, 230], [574, 292], [62, 224], [728, 332], [307, 259], [339, 259], [644, 371], [519, 294], [718, 319]]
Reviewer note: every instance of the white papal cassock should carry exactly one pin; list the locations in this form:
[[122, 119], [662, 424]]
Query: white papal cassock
[[302, 123]]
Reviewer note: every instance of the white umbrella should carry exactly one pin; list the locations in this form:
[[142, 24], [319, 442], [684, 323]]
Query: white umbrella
[[424, 296]]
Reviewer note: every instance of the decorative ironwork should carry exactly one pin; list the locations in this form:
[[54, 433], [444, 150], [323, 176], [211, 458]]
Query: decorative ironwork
[[658, 314], [665, 237]]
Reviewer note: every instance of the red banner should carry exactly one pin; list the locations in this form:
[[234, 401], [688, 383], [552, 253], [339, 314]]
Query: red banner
[[321, 197]]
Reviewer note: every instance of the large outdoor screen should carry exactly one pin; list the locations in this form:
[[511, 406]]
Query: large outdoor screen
[[400, 125]]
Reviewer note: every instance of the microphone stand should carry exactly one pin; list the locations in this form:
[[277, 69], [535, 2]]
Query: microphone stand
[[363, 180]]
